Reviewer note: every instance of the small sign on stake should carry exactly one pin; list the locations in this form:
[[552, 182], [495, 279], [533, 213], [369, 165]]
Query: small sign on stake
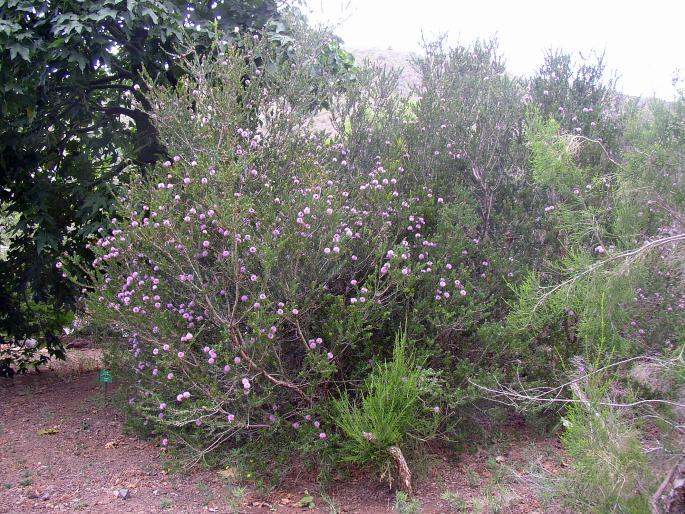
[[105, 378]]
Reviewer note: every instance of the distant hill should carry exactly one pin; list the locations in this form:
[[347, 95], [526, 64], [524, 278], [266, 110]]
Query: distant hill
[[393, 59], [409, 78], [388, 57]]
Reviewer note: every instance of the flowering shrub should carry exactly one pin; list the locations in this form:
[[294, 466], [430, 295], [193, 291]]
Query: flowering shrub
[[254, 274], [260, 274]]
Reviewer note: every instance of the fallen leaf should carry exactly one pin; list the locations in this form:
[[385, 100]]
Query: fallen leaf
[[227, 474]]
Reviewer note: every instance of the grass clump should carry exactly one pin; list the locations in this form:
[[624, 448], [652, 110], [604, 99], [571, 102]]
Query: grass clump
[[386, 415]]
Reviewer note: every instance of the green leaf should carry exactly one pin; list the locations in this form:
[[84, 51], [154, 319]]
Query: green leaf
[[104, 13], [44, 239], [8, 27], [57, 43], [21, 50], [152, 14], [79, 59], [307, 501]]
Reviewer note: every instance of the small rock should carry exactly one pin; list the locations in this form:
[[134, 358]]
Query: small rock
[[123, 494]]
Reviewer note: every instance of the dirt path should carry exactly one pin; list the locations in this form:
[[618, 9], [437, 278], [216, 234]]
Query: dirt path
[[63, 449]]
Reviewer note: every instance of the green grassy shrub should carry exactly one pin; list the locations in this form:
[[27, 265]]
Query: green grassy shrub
[[614, 293], [388, 412], [610, 471]]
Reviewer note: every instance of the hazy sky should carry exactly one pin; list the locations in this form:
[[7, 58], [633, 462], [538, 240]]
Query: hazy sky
[[644, 41]]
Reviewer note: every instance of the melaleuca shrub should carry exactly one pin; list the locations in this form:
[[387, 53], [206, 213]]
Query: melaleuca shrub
[[463, 136], [583, 100], [254, 275], [470, 115]]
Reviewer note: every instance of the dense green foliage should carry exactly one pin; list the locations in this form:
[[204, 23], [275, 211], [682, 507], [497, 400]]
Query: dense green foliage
[[261, 274], [69, 72], [525, 236]]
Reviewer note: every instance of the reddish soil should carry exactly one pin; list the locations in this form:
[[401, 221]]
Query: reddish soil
[[63, 449]]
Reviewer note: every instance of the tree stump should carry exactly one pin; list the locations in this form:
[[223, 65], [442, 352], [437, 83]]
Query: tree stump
[[402, 469]]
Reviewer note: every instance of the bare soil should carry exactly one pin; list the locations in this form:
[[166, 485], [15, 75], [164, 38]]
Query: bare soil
[[63, 448]]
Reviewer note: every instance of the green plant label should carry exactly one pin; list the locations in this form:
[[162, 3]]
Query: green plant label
[[105, 376]]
